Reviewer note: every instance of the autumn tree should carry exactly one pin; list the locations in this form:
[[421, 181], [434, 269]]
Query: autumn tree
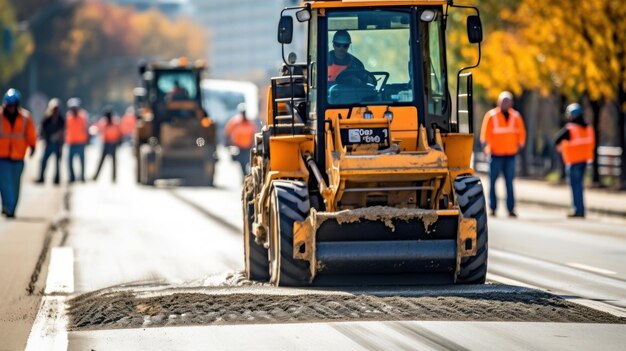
[[92, 50], [106, 42], [573, 49], [16, 44], [583, 43]]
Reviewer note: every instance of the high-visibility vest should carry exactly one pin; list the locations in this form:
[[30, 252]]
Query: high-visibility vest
[[503, 136], [111, 133], [334, 70], [76, 129], [579, 147], [127, 124], [241, 132], [14, 140]]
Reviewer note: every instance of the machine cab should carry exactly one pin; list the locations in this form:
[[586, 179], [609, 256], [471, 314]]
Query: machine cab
[[388, 60]]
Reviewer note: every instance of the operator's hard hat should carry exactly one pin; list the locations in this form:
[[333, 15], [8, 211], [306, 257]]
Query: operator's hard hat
[[573, 110], [73, 102], [342, 37], [12, 97], [241, 107]]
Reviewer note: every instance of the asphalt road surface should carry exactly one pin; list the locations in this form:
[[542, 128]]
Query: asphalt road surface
[[160, 268]]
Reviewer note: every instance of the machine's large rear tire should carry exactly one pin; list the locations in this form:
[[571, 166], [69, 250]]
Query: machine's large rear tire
[[289, 202], [471, 199], [256, 256]]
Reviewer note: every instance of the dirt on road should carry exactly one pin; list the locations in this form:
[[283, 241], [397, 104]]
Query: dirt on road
[[134, 307]]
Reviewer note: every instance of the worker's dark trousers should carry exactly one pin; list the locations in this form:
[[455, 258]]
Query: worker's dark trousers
[[244, 160], [109, 149], [77, 150], [10, 176], [506, 166], [51, 149], [576, 178]]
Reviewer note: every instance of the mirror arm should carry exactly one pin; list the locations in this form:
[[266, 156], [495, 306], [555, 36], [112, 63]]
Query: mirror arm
[[458, 76], [282, 12]]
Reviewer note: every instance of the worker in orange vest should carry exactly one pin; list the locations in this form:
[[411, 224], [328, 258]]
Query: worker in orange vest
[[111, 136], [128, 124], [76, 136], [502, 135], [17, 134], [239, 133], [577, 143]]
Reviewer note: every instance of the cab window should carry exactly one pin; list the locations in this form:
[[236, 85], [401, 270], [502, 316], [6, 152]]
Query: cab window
[[176, 86], [369, 57]]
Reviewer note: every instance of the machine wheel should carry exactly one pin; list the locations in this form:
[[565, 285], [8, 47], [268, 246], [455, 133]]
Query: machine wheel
[[471, 199], [289, 202], [257, 261]]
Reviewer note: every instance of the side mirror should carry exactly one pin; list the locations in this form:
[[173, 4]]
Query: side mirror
[[285, 30], [303, 15], [474, 29]]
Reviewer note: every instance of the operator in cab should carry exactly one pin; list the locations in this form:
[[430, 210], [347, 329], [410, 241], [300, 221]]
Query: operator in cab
[[339, 59], [177, 93]]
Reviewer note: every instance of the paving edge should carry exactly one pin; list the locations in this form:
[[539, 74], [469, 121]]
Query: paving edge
[[599, 306]]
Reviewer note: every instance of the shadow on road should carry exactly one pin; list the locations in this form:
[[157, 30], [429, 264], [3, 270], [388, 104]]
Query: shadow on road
[[233, 229]]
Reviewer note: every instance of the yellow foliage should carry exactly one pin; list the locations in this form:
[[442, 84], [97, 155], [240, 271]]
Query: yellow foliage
[[576, 47], [583, 42], [13, 62], [102, 30], [105, 42]]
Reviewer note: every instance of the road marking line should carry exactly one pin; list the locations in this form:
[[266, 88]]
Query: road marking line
[[590, 268], [60, 272], [596, 305], [561, 268], [49, 332]]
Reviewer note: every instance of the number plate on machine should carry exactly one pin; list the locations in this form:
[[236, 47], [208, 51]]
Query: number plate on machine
[[358, 136]]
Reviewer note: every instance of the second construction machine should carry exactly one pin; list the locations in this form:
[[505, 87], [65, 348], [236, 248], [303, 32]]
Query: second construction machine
[[175, 138], [362, 174]]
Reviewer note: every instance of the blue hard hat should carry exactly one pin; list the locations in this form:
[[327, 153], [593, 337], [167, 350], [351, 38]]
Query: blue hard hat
[[342, 37], [574, 110], [12, 97]]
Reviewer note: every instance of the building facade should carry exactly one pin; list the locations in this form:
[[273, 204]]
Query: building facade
[[242, 34]]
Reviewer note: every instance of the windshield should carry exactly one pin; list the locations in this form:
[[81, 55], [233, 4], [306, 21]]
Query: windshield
[[177, 85], [369, 57]]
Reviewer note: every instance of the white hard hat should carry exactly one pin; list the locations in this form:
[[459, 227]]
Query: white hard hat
[[73, 102], [505, 95]]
